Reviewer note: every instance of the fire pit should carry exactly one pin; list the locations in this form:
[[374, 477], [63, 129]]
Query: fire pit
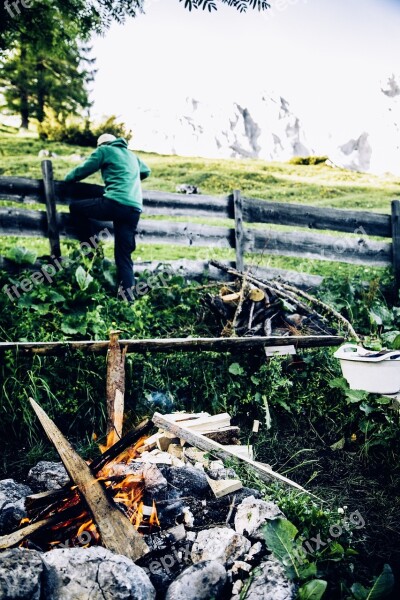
[[165, 502]]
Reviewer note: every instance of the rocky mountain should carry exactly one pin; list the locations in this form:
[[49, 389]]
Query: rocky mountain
[[268, 128]]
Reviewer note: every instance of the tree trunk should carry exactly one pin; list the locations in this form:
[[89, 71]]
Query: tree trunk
[[23, 90], [41, 90]]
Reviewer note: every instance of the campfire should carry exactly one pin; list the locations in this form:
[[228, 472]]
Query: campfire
[[150, 494]]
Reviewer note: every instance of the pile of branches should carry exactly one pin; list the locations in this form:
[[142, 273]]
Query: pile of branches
[[256, 307]]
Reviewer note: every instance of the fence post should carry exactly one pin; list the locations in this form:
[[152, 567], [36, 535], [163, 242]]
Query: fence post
[[396, 242], [239, 230], [51, 208], [115, 388]]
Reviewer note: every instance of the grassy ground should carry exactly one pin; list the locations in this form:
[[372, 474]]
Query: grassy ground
[[317, 185]]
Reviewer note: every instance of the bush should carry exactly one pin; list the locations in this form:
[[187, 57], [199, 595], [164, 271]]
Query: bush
[[308, 160], [81, 132]]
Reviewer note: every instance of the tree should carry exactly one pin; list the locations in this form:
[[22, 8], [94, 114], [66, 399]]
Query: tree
[[240, 5], [50, 69]]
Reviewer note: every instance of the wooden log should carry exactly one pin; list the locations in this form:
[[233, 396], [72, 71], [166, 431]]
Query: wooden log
[[51, 209], [41, 503], [350, 250], [239, 230], [173, 344], [115, 388], [314, 217], [117, 532], [396, 242], [21, 189], [15, 538], [200, 441]]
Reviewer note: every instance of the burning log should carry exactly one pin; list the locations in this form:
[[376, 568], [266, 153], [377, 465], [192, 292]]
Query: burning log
[[39, 504], [117, 532]]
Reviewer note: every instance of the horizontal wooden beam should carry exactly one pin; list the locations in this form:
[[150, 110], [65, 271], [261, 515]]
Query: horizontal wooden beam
[[316, 246], [173, 344], [315, 217]]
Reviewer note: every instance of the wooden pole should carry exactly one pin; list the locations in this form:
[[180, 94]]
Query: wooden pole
[[396, 243], [174, 344], [239, 230], [115, 389], [200, 441], [51, 208], [116, 531]]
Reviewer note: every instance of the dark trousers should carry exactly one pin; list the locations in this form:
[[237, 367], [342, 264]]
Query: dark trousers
[[125, 219]]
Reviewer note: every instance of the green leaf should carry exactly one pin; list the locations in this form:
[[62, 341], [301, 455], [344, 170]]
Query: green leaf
[[84, 279], [383, 585], [313, 590], [396, 343], [383, 400], [56, 297], [21, 255], [279, 536], [354, 396], [340, 383], [367, 408], [236, 369], [308, 571], [359, 591], [339, 445]]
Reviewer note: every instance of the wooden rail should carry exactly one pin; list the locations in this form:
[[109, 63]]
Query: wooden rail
[[171, 344], [358, 248]]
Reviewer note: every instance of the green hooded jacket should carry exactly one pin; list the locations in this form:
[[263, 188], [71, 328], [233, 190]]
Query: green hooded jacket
[[121, 170]]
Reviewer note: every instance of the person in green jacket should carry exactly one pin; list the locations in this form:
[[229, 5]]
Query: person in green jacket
[[122, 203]]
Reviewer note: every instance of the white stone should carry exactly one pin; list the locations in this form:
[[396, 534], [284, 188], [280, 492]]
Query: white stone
[[219, 543], [252, 514]]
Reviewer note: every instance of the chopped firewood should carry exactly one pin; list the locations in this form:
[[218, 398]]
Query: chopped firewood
[[196, 456], [163, 443], [269, 308], [117, 532], [223, 487], [175, 450], [188, 416], [200, 441], [229, 298], [256, 295], [205, 424], [245, 451]]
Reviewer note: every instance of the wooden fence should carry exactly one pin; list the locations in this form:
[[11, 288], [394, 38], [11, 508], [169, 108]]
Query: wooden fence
[[356, 249]]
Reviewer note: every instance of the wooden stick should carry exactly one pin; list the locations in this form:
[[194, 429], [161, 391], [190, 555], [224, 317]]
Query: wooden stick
[[172, 344], [15, 538], [290, 292], [326, 308], [115, 388], [203, 443], [117, 532]]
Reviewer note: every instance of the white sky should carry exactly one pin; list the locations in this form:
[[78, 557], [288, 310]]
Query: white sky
[[326, 57]]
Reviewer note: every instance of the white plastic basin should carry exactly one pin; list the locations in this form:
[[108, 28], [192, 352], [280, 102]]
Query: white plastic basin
[[376, 375]]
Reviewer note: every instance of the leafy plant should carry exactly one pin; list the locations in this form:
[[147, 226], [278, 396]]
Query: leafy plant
[[381, 588]]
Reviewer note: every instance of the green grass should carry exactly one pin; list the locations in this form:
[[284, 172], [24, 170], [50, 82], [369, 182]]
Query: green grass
[[318, 185]]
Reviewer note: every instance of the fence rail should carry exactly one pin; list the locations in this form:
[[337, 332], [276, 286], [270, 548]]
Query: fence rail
[[241, 211]]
